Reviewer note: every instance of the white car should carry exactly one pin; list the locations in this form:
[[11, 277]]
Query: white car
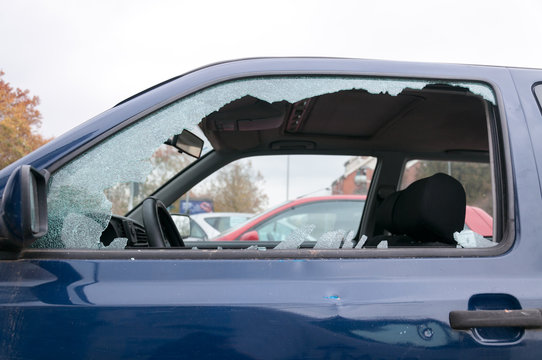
[[208, 225]]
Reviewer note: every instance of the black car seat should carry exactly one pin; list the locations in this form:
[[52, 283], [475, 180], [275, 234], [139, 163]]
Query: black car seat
[[426, 213]]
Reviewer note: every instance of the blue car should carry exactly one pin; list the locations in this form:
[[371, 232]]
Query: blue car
[[93, 266]]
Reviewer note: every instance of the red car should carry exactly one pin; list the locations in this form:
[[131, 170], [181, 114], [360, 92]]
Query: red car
[[327, 213], [479, 221]]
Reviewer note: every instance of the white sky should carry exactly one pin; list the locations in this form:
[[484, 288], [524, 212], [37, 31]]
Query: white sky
[[81, 58], [309, 175]]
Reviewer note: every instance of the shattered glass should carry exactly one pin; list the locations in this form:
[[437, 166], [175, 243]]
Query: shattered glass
[[361, 242], [471, 239], [330, 240], [296, 238], [78, 208], [349, 240], [382, 245], [79, 226], [255, 247]]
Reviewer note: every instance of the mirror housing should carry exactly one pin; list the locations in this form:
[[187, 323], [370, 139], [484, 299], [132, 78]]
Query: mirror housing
[[23, 208]]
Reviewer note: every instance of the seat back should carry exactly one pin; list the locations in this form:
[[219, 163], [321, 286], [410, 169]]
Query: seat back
[[426, 213]]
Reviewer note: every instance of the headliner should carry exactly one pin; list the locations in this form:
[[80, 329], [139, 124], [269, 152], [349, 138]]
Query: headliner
[[436, 119]]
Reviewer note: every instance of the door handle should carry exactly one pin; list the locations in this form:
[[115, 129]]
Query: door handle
[[526, 318]]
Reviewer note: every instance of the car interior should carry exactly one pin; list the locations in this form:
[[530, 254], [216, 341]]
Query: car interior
[[440, 121]]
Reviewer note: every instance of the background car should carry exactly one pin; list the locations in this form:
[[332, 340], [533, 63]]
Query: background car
[[326, 211], [479, 221], [207, 225]]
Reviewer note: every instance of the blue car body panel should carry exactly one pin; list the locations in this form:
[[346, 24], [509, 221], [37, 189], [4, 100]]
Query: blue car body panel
[[368, 308], [254, 308]]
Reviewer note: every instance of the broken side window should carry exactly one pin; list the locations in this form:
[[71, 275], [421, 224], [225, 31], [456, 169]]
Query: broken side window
[[85, 193]]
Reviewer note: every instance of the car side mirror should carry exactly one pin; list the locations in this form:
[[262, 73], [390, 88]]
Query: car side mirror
[[250, 236], [182, 222], [23, 209]]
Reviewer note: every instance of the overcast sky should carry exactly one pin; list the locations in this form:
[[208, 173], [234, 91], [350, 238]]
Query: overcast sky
[[81, 58], [308, 175]]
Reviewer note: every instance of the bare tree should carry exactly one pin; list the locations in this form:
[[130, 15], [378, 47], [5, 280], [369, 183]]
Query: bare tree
[[237, 188]]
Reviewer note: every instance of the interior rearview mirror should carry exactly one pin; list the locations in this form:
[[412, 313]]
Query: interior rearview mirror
[[187, 142], [23, 209]]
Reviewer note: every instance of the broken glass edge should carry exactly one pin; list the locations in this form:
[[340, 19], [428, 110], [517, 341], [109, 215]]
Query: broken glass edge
[[330, 240], [349, 240], [294, 240], [78, 187]]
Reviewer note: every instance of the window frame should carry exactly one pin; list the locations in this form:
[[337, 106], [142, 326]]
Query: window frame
[[537, 92], [500, 166]]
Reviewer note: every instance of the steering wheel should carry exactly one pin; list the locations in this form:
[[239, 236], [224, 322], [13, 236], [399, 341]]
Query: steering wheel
[[161, 230]]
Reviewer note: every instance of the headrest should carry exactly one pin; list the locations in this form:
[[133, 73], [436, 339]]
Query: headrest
[[430, 209]]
